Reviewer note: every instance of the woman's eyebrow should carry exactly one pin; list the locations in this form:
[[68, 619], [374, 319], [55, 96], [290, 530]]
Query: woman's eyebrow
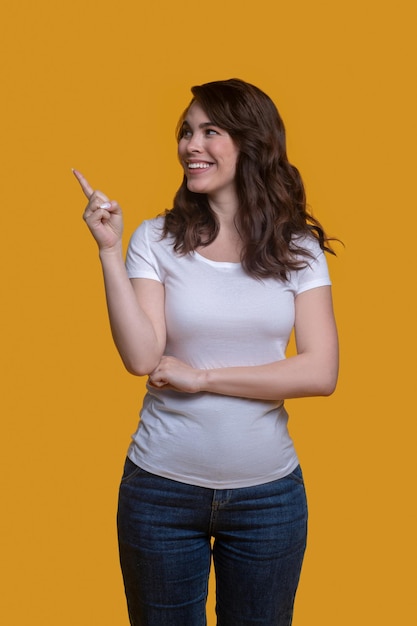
[[202, 125]]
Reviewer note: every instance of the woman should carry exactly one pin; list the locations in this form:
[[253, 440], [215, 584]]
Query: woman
[[204, 307]]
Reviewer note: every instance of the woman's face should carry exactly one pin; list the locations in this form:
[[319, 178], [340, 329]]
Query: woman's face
[[208, 155]]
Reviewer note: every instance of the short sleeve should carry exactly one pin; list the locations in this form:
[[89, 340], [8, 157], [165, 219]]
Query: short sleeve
[[316, 272], [140, 259]]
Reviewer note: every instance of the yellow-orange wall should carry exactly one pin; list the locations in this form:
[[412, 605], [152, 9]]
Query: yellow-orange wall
[[99, 86]]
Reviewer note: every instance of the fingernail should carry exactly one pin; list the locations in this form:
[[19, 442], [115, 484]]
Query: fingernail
[[105, 205]]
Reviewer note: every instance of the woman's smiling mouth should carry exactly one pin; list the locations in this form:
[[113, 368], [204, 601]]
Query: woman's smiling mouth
[[198, 165]]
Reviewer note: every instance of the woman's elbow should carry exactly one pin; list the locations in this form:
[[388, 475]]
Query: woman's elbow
[[328, 389], [326, 383], [142, 367]]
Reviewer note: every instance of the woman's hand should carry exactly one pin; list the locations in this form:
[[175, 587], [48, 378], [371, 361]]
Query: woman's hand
[[103, 217], [171, 373]]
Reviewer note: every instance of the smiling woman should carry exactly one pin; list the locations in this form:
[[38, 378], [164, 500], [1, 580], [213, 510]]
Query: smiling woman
[[204, 306], [208, 155]]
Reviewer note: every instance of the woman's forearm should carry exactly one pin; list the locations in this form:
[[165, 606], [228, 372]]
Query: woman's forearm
[[295, 377], [303, 375], [137, 340]]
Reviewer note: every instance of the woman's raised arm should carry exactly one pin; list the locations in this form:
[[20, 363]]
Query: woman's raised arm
[[136, 308]]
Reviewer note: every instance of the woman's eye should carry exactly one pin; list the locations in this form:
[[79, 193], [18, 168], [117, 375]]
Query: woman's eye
[[187, 133]]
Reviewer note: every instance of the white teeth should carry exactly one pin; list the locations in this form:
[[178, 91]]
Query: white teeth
[[195, 166]]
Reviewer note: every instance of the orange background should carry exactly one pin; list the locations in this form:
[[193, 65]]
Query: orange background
[[99, 86]]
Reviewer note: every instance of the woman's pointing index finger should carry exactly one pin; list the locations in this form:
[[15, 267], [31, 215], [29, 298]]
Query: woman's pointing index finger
[[85, 185]]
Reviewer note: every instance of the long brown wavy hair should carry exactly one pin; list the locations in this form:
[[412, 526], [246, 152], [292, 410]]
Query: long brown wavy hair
[[272, 218]]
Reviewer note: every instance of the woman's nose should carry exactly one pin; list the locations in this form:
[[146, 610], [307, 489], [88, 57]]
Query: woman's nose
[[194, 143]]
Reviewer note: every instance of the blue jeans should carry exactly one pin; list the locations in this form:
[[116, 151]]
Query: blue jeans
[[165, 529]]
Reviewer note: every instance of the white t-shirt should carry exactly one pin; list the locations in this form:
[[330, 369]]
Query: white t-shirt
[[217, 316]]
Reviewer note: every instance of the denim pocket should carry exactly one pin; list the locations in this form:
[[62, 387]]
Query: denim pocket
[[130, 470], [297, 475]]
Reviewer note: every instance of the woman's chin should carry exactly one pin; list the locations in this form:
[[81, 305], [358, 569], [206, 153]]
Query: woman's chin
[[194, 187]]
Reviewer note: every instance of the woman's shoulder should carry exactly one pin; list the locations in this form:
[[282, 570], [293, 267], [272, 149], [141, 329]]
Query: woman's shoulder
[[306, 243], [151, 229], [152, 224], [148, 251], [313, 271]]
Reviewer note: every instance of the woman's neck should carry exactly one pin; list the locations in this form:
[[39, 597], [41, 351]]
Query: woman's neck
[[227, 246], [225, 210]]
